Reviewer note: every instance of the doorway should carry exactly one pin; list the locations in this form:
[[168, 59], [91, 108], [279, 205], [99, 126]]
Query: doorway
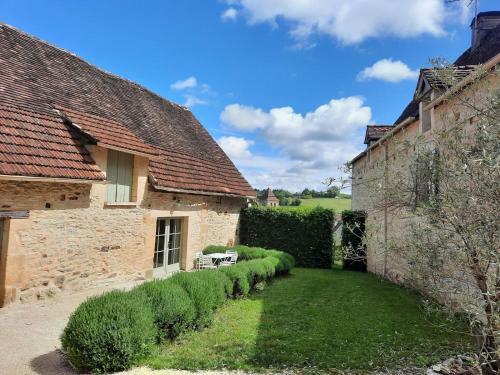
[[167, 246]]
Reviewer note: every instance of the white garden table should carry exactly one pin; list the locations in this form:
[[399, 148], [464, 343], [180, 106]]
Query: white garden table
[[219, 257]]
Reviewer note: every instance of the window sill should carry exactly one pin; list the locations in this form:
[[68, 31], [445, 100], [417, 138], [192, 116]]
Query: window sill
[[120, 204]]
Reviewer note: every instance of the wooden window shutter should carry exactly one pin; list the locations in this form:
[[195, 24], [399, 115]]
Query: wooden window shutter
[[111, 175], [124, 179], [119, 176]]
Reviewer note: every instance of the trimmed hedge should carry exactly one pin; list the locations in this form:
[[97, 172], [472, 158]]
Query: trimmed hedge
[[174, 311], [285, 262], [305, 233], [112, 332], [109, 332], [353, 231]]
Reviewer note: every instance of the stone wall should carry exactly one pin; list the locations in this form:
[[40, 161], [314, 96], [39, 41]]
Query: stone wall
[[389, 163], [73, 240]]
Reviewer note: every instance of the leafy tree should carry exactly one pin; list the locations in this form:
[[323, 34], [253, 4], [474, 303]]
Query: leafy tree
[[333, 191]]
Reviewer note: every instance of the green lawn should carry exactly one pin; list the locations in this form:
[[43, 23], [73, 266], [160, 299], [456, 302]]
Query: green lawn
[[338, 205], [318, 321]]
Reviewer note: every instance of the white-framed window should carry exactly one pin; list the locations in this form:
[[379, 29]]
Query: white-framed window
[[167, 245]]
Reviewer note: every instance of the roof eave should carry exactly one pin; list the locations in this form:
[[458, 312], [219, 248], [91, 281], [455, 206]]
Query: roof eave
[[51, 179], [200, 192], [397, 128]]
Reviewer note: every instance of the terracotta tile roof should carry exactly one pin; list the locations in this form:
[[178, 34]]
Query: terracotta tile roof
[[35, 75], [375, 132], [39, 144], [269, 196], [108, 133], [175, 171]]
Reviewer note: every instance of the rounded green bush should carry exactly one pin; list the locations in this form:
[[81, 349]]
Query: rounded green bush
[[215, 249], [243, 268], [109, 333], [269, 266], [172, 306], [239, 279], [218, 282], [249, 253], [258, 270], [205, 298]]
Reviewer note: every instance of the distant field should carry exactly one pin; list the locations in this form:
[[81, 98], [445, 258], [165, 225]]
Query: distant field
[[338, 205]]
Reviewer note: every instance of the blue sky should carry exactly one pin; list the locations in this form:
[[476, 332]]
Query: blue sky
[[278, 83]]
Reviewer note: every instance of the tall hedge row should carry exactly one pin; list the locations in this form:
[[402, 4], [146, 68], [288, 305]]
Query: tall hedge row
[[306, 234], [353, 232], [114, 331]]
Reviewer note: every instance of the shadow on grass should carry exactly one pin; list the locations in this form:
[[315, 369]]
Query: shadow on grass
[[334, 319]]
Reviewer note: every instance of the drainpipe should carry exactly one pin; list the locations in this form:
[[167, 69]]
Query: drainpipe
[[386, 182]]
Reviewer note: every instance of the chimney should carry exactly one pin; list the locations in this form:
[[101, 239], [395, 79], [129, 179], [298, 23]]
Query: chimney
[[481, 24]]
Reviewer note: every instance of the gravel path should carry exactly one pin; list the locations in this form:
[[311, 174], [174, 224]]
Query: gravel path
[[30, 334]]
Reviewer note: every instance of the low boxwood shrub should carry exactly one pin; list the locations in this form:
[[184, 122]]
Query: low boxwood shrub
[[261, 269], [173, 308], [286, 261], [353, 232], [204, 297], [306, 234], [218, 282], [238, 276], [113, 331], [109, 333]]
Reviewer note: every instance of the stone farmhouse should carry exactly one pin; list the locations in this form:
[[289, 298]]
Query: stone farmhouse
[[101, 180], [386, 151]]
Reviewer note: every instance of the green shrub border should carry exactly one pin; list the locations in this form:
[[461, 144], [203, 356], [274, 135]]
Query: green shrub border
[[304, 233], [114, 331], [353, 232]]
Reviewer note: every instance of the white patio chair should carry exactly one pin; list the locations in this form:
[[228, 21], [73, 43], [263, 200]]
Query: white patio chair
[[232, 258], [197, 257], [206, 262]]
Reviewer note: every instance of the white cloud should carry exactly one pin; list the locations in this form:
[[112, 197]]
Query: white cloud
[[236, 147], [229, 14], [244, 118], [352, 21], [192, 100], [388, 70], [338, 119], [187, 83], [310, 147]]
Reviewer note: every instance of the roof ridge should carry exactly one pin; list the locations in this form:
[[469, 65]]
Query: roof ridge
[[113, 75]]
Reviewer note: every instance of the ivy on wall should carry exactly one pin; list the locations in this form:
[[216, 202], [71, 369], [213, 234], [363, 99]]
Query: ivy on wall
[[307, 234]]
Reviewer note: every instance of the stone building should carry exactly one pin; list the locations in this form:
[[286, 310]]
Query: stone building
[[270, 199], [389, 151], [101, 180]]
